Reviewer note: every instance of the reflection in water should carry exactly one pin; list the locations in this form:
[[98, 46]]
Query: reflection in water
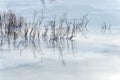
[[18, 34], [61, 47]]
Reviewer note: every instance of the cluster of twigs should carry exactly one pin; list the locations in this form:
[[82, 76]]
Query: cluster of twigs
[[10, 27], [17, 33], [105, 27], [15, 29]]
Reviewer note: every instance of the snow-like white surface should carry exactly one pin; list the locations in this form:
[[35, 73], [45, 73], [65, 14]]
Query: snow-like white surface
[[95, 58]]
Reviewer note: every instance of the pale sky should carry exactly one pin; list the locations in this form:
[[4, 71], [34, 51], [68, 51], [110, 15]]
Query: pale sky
[[100, 4], [100, 10]]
